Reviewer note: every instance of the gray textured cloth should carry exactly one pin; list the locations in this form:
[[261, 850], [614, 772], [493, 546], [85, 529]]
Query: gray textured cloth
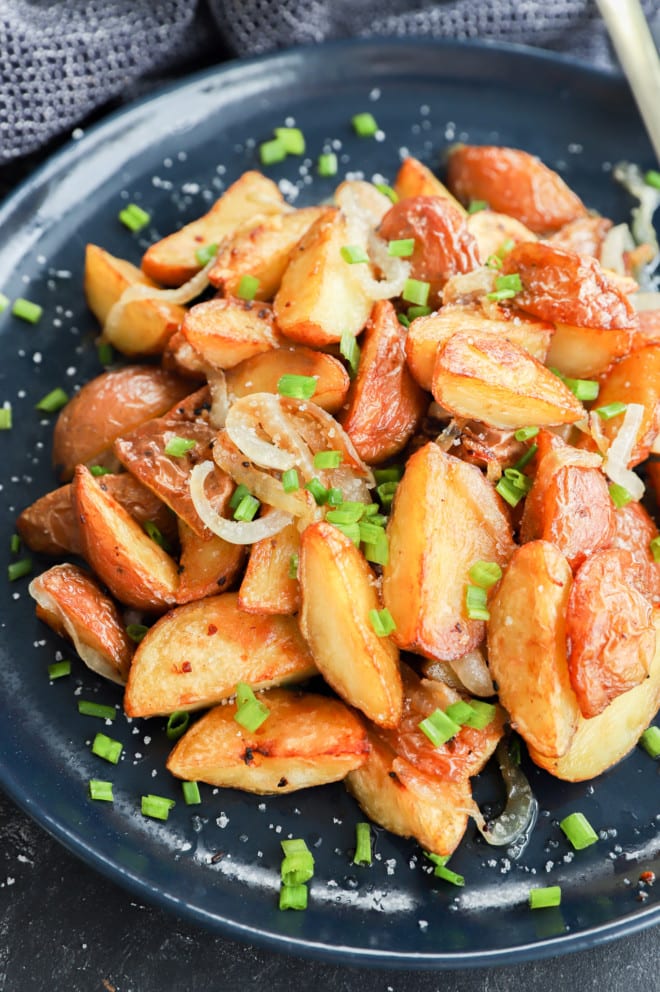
[[59, 61]]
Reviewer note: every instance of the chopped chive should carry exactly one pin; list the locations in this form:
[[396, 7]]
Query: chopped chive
[[526, 458], [318, 490], [654, 548], [350, 350], [370, 532], [392, 474], [401, 317], [335, 497], [353, 254], [414, 312], [347, 513], [584, 389], [387, 191], [371, 510], [177, 447], [401, 247], [154, 532], [157, 807], [350, 530], [98, 470], [440, 869], [526, 433], [579, 831], [506, 287], [362, 854], [177, 724], [250, 711], [292, 138], [476, 206], [136, 631], [327, 164], [652, 178], [482, 714], [485, 573], [5, 417], [15, 544], [494, 262], [107, 748], [476, 603], [505, 248], [364, 125], [439, 728], [382, 622], [545, 898], [271, 152], [89, 708], [293, 566], [239, 492], [293, 897], [619, 495], [385, 492], [460, 712], [53, 401], [290, 481], [19, 569], [26, 310], [415, 291], [191, 795], [100, 790], [247, 509], [4, 302], [378, 551], [297, 387], [328, 459], [611, 410], [518, 479], [134, 217], [298, 863], [59, 669], [105, 353], [206, 253], [247, 287], [650, 741]]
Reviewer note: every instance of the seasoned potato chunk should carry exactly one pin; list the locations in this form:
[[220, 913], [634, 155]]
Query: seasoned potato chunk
[[227, 331], [306, 740], [494, 233], [635, 379], [194, 656], [208, 565], [585, 352], [270, 583], [262, 373], [416, 179]]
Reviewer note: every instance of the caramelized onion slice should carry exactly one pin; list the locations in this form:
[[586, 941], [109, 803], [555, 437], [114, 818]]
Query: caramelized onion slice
[[512, 827], [615, 463], [233, 531]]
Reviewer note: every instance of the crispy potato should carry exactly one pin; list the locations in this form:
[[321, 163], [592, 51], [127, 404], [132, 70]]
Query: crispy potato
[[208, 565], [462, 523], [426, 334], [142, 452], [181, 358], [306, 740], [262, 373], [385, 405], [248, 201], [490, 379], [145, 325], [599, 742], [226, 331], [71, 602], [584, 235], [493, 232], [135, 569], [268, 585], [609, 630], [513, 182], [194, 656], [585, 352], [320, 296], [105, 408], [527, 648], [409, 802], [262, 251], [415, 179], [635, 379], [337, 593]]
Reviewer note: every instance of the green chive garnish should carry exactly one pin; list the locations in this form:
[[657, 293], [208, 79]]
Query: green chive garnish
[[97, 471], [239, 492], [439, 728], [250, 711], [414, 312], [401, 248], [247, 509], [271, 152], [318, 491], [579, 831], [353, 254], [584, 389], [654, 548], [328, 459], [545, 898], [386, 492], [290, 481], [297, 387], [177, 724], [506, 287], [350, 350], [293, 566], [298, 863], [362, 844], [177, 447], [440, 869], [652, 178], [155, 534], [387, 191], [364, 125], [100, 790], [88, 708], [350, 530], [107, 748], [476, 206], [482, 714], [415, 291], [377, 551], [15, 544], [26, 310], [476, 603], [382, 622], [19, 569], [59, 669], [53, 401], [611, 410], [347, 513], [401, 317], [157, 807], [526, 433], [191, 795], [460, 712], [136, 631], [292, 138], [619, 495], [327, 164], [485, 573], [134, 217], [526, 458], [247, 287], [293, 897], [650, 741], [5, 417], [206, 253], [105, 353]]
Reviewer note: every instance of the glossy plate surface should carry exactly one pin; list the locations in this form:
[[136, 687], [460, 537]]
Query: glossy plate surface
[[218, 863]]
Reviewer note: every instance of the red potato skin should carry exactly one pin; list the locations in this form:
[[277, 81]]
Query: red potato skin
[[633, 531], [584, 235], [513, 182], [634, 379]]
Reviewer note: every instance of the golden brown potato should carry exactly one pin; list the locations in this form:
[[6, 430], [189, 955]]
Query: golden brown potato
[[609, 630], [426, 334], [584, 235], [108, 406], [262, 252], [409, 802], [634, 379], [144, 326], [490, 379], [181, 358], [224, 332], [71, 602], [527, 648], [415, 179], [513, 182], [385, 405], [338, 592], [249, 200], [585, 352], [135, 569], [270, 583], [208, 565], [598, 743], [306, 740], [462, 523], [494, 233], [262, 373], [320, 296], [194, 656]]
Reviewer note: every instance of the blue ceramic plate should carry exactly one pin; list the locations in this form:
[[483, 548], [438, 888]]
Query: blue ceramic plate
[[217, 864]]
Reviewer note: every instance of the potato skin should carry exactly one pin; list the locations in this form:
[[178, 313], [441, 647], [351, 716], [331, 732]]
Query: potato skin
[[635, 379], [416, 179]]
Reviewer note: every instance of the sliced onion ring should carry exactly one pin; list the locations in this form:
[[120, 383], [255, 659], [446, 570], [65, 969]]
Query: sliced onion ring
[[264, 411], [233, 531], [615, 463], [512, 827]]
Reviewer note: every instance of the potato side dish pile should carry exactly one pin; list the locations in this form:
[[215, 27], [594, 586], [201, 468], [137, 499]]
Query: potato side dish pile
[[395, 449]]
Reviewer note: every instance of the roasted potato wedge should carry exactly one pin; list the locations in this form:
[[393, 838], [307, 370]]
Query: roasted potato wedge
[[195, 655], [494, 233], [493, 380], [527, 648], [180, 358], [105, 408], [262, 373], [249, 200], [634, 379], [270, 583], [144, 326], [633, 531], [71, 602], [585, 352], [337, 593], [227, 331], [135, 569], [415, 179], [462, 523], [513, 182], [320, 296], [306, 740], [208, 565], [584, 235], [385, 405]]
